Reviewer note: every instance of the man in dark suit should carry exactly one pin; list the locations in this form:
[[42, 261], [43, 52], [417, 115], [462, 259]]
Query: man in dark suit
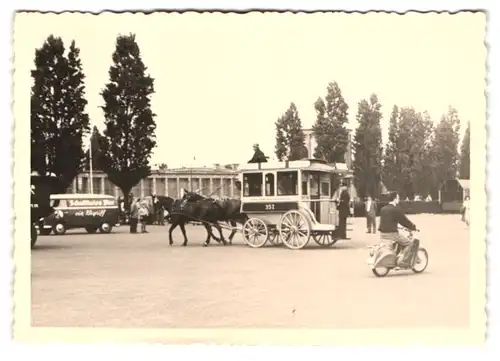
[[343, 208], [371, 214]]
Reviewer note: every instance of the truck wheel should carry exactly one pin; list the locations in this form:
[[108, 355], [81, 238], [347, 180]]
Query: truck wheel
[[105, 228], [59, 229]]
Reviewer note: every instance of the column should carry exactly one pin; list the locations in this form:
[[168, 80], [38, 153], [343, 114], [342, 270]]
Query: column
[[221, 190], [154, 185], [74, 185], [166, 186], [178, 187], [103, 190], [116, 191], [232, 188], [211, 186], [200, 184], [142, 188]]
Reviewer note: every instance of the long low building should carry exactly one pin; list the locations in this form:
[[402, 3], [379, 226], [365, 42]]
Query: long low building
[[217, 181]]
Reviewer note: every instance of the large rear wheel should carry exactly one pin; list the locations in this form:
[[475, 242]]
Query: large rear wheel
[[274, 237], [294, 229], [324, 239]]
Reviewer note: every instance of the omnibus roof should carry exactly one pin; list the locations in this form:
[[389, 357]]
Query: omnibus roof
[[81, 196], [306, 165]]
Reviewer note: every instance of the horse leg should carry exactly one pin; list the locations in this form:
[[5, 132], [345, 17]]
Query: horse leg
[[221, 235], [172, 227], [183, 230], [209, 234], [233, 231], [213, 235]]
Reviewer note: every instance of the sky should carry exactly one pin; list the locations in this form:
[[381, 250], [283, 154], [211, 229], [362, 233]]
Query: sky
[[223, 80]]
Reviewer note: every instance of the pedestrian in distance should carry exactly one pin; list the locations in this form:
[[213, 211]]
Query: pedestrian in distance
[[371, 215], [134, 215]]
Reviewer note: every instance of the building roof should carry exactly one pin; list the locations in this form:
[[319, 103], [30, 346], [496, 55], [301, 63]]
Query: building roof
[[305, 164]]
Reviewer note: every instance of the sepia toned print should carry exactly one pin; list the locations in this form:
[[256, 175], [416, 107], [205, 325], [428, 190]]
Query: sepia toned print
[[250, 178]]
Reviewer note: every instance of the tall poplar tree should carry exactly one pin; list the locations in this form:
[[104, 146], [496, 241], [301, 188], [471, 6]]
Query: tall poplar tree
[[129, 120], [58, 117]]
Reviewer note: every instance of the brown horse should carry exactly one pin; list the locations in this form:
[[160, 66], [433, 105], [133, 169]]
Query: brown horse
[[193, 207]]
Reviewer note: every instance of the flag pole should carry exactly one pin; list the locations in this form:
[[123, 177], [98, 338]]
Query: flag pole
[[91, 172], [191, 175]]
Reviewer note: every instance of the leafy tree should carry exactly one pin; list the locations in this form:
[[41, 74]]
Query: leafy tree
[[368, 147], [465, 155], [330, 132], [129, 121], [445, 147], [419, 171], [290, 137], [58, 117], [391, 170]]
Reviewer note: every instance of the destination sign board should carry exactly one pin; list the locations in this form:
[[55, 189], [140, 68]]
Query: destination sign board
[[270, 206]]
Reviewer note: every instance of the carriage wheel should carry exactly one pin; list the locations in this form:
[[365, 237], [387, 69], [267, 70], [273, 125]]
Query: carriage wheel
[[324, 239], [255, 233], [274, 237], [294, 230]]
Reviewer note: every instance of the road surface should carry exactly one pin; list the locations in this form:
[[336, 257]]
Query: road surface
[[138, 280]]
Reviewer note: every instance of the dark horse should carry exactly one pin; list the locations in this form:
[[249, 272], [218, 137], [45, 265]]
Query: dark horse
[[194, 207], [231, 214]]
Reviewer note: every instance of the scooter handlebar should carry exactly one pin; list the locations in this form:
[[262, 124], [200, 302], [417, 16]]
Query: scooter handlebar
[[408, 230]]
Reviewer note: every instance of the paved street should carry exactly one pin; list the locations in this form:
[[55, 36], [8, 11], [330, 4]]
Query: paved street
[[127, 280]]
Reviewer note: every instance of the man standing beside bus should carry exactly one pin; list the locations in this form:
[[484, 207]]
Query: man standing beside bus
[[134, 216], [343, 208]]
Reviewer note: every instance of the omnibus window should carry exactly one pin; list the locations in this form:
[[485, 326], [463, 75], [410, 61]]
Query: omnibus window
[[269, 184], [252, 185], [305, 188], [287, 183], [325, 188]]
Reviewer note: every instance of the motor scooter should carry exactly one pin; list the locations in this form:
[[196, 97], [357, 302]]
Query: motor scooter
[[384, 258]]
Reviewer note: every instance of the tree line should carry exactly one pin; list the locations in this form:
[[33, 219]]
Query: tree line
[[418, 156], [59, 121]]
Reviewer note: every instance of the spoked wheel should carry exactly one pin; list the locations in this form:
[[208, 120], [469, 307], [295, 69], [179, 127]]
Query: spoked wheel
[[274, 237], [294, 229], [421, 261], [324, 239], [255, 233]]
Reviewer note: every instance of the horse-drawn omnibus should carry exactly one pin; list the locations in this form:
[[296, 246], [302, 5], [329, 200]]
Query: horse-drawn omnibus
[[290, 202]]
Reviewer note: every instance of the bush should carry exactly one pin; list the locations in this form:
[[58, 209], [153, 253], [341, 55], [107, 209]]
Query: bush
[[409, 207]]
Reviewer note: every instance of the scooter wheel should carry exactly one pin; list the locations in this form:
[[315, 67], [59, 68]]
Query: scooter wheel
[[421, 261], [380, 271]]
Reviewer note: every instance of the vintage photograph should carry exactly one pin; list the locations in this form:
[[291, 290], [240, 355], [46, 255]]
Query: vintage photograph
[[215, 174]]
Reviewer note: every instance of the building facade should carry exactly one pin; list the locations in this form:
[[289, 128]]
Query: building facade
[[218, 182]]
